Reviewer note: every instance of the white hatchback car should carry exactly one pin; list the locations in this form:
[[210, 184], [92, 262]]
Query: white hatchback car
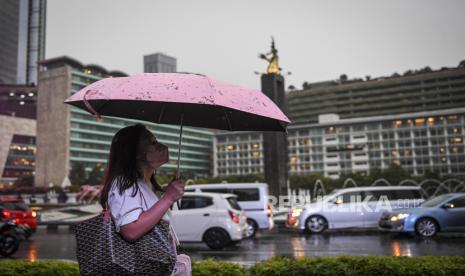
[[216, 219], [359, 207], [252, 197]]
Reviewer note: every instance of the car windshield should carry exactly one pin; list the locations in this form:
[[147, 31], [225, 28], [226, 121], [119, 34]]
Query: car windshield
[[435, 200]]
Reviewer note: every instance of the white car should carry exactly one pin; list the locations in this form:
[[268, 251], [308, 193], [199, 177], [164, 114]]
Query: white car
[[216, 219], [252, 197], [359, 207]]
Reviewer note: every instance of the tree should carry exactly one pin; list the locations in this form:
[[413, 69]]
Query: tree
[[343, 78], [395, 174], [95, 176], [374, 174], [231, 179], [77, 175], [164, 179], [306, 85], [431, 175]]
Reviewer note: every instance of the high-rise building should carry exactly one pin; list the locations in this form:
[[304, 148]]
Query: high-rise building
[[419, 142], [423, 90], [416, 121], [159, 63], [67, 136], [17, 132], [22, 43]]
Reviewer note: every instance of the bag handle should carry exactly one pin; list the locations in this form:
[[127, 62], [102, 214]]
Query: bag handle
[[174, 237], [106, 214]]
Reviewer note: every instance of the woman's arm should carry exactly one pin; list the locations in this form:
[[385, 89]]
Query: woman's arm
[[148, 219]]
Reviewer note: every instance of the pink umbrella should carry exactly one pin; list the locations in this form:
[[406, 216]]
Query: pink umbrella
[[182, 99]]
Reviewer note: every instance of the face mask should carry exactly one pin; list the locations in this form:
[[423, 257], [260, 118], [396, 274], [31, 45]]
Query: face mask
[[157, 155]]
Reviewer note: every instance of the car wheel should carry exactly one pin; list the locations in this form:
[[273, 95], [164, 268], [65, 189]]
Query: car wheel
[[426, 227], [9, 245], [316, 224], [216, 238], [251, 228]]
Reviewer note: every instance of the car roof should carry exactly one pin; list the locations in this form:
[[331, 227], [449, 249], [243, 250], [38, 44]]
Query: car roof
[[229, 185], [209, 194], [378, 188]]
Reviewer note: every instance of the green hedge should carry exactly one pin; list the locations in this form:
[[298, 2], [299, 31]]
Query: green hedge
[[372, 265], [380, 266], [212, 267], [45, 267]]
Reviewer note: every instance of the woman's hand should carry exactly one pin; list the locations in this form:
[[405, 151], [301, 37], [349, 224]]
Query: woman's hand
[[175, 190]]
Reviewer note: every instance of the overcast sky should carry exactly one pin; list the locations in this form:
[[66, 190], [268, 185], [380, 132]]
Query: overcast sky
[[316, 40]]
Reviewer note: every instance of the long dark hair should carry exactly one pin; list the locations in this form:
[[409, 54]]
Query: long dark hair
[[122, 163]]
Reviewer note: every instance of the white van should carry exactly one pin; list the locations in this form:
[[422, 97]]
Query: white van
[[252, 197], [359, 207]]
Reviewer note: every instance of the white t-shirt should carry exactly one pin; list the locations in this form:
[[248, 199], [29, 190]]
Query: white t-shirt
[[126, 209]]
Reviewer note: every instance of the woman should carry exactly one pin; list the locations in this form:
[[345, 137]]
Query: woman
[[129, 184]]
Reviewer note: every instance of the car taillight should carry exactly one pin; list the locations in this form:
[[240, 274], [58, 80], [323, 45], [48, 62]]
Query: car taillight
[[233, 216], [269, 212], [6, 214]]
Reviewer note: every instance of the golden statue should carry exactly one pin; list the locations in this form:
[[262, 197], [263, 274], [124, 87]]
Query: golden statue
[[273, 66]]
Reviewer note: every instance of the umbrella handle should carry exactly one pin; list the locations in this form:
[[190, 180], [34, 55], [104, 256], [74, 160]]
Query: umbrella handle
[[179, 147], [179, 154]]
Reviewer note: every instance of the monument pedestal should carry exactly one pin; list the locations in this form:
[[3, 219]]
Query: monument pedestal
[[275, 146]]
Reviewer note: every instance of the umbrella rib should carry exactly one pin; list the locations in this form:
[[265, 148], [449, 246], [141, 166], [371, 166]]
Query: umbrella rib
[[161, 113], [227, 118], [225, 113]]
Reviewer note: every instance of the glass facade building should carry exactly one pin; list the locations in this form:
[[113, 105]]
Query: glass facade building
[[17, 132], [20, 160], [88, 140], [415, 120], [22, 43], [418, 142]]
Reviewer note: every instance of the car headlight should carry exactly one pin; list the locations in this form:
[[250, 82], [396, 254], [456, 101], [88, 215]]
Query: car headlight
[[400, 216]]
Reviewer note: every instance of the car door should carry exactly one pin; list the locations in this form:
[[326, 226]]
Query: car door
[[193, 217], [455, 214], [347, 211], [376, 202]]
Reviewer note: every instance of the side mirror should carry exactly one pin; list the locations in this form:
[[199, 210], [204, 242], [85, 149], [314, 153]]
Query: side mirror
[[448, 206]]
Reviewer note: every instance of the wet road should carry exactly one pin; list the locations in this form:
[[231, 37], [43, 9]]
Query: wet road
[[60, 244]]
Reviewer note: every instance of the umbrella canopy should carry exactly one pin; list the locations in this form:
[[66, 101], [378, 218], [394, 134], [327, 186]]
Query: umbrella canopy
[[177, 98]]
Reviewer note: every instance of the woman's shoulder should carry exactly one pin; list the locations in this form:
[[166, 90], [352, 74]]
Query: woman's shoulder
[[115, 187]]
